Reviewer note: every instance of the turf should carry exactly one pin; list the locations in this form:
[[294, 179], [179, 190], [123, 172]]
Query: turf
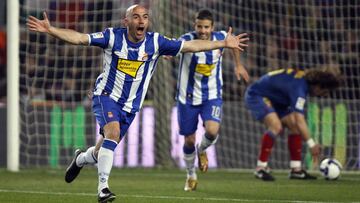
[[159, 185]]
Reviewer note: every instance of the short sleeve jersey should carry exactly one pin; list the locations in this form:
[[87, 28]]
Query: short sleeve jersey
[[127, 66], [200, 74], [286, 87]]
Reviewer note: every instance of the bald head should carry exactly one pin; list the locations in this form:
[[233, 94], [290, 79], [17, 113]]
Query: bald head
[[131, 9]]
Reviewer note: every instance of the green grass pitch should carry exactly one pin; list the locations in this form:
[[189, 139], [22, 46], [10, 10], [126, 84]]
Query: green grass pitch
[[165, 185]]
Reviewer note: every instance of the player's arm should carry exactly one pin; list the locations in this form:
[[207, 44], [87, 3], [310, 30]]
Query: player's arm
[[304, 131], [67, 35], [231, 41], [239, 70]]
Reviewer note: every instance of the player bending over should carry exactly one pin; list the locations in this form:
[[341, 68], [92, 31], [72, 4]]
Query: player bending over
[[278, 100]]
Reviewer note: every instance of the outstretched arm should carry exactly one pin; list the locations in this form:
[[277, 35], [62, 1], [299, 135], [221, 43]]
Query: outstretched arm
[[233, 42], [67, 35], [239, 70]]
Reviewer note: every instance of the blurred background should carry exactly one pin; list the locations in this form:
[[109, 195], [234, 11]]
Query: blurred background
[[55, 78]]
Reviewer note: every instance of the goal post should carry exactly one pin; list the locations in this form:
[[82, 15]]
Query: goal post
[[13, 121]]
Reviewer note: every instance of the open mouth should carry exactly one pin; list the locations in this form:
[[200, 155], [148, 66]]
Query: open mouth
[[141, 29]]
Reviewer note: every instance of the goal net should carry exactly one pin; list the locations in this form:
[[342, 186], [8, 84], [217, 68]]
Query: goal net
[[56, 115]]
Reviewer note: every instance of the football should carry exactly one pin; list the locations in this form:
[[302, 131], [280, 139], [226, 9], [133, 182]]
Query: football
[[330, 168]]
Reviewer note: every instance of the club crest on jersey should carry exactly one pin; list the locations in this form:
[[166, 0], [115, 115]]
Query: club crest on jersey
[[204, 69], [267, 102], [97, 35], [145, 57], [129, 67], [110, 114]]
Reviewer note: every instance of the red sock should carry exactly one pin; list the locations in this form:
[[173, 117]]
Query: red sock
[[267, 143], [295, 144]]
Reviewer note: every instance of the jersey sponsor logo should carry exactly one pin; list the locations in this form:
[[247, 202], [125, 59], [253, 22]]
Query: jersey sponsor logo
[[129, 67], [133, 49], [204, 69], [300, 103], [97, 35]]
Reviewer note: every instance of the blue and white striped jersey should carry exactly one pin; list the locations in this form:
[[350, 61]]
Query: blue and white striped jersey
[[200, 74], [128, 67]]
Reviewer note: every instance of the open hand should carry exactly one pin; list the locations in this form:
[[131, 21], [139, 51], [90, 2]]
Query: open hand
[[236, 42], [38, 25]]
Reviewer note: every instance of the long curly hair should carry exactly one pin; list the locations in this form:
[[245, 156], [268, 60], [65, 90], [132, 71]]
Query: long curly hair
[[323, 78]]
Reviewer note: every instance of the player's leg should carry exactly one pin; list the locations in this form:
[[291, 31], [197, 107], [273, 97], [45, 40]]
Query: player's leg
[[273, 124], [81, 159], [295, 147], [188, 120], [105, 159], [90, 155], [262, 109], [211, 112], [189, 158], [115, 123]]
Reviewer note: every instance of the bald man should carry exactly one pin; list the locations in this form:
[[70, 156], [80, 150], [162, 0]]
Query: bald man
[[130, 57]]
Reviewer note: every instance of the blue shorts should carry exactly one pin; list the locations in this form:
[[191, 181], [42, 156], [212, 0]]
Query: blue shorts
[[262, 106], [188, 115], [107, 110]]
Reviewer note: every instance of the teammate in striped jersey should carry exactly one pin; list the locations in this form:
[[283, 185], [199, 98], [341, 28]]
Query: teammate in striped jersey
[[130, 58], [278, 99], [199, 92]]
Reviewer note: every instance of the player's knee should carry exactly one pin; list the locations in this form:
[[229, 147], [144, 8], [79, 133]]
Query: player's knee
[[190, 141], [212, 131], [212, 134], [294, 131], [292, 127], [112, 134], [276, 129]]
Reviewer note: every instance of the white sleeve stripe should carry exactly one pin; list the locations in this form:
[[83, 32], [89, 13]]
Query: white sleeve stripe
[[89, 39], [182, 45], [112, 38]]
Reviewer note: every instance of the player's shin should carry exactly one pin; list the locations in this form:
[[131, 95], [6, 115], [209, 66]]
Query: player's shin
[[87, 157], [105, 162], [294, 145], [207, 140], [267, 143], [189, 158]]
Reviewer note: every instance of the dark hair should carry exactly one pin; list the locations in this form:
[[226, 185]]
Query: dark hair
[[205, 14], [324, 79]]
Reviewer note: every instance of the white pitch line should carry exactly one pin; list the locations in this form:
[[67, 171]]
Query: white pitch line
[[163, 197]]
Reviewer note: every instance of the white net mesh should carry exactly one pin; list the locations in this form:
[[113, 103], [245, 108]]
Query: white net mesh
[[55, 78]]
